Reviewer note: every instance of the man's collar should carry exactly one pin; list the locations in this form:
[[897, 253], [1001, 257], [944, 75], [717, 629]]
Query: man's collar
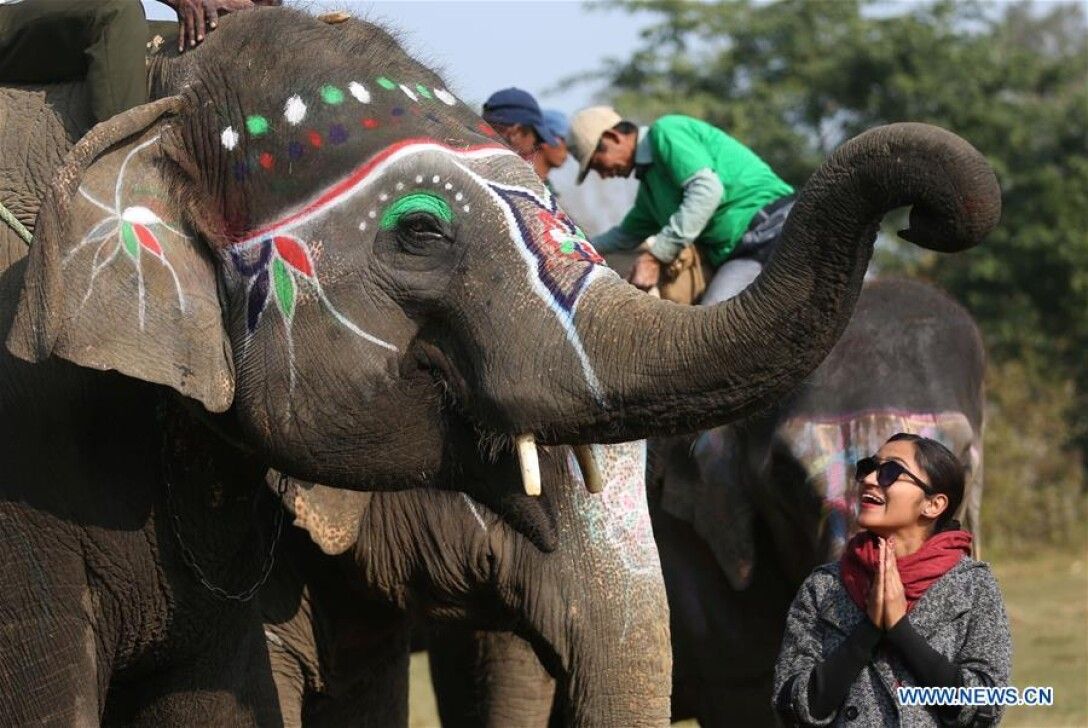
[[644, 153]]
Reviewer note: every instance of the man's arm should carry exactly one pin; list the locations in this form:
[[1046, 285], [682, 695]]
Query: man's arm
[[702, 195]]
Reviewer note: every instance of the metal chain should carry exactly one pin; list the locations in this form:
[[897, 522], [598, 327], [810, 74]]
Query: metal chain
[[189, 557]]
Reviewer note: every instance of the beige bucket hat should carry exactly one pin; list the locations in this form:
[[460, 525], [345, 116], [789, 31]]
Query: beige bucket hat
[[585, 132]]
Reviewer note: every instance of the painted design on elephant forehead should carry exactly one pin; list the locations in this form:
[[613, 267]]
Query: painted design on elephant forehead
[[828, 448], [562, 264], [618, 519], [274, 262], [134, 231]]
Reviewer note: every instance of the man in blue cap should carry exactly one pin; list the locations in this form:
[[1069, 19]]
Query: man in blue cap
[[553, 156], [516, 116]]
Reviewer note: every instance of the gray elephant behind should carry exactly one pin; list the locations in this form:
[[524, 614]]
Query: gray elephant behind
[[593, 610]]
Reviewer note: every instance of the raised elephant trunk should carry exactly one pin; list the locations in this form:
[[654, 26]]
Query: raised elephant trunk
[[692, 367]]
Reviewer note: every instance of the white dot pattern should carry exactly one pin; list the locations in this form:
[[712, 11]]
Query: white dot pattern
[[294, 110]]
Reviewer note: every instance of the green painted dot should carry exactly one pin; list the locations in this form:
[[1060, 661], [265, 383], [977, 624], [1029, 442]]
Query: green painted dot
[[386, 83], [416, 202], [424, 91], [256, 125], [567, 247], [332, 95]]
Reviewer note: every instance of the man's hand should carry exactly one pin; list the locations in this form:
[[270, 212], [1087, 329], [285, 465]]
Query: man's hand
[[895, 597], [195, 15], [875, 606], [646, 272]]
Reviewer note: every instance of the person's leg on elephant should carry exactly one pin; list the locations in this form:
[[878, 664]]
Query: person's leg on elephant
[[101, 41], [751, 254]]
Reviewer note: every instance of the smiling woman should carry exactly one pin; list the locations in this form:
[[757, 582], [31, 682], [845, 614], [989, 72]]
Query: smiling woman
[[906, 581]]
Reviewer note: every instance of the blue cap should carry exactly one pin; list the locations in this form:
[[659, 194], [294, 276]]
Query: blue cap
[[557, 123], [514, 106]]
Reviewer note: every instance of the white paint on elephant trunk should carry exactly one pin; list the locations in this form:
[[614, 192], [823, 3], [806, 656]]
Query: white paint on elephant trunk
[[591, 474], [475, 512], [529, 463]]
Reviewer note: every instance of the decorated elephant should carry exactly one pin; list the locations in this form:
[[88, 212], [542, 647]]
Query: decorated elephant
[[340, 654], [746, 511], [334, 270], [743, 512]]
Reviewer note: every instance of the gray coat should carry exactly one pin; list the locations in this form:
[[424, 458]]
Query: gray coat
[[961, 616]]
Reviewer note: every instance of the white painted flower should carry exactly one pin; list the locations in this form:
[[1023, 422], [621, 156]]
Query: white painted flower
[[294, 110], [445, 96], [436, 179], [383, 197], [362, 226], [419, 179], [229, 138], [140, 215], [466, 208], [409, 92], [359, 91], [400, 185], [449, 185], [458, 197]]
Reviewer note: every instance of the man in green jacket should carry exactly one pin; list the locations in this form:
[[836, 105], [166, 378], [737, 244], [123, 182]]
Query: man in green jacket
[[697, 185]]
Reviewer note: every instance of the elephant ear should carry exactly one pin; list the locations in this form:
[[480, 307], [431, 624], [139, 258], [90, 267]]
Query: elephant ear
[[330, 515], [116, 279]]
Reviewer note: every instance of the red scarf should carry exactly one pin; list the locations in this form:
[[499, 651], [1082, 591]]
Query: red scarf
[[860, 561]]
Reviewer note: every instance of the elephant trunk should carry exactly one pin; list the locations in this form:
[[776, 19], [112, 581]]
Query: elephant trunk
[[684, 368], [596, 607]]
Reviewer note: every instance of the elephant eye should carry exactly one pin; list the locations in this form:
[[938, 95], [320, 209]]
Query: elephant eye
[[420, 230], [420, 219]]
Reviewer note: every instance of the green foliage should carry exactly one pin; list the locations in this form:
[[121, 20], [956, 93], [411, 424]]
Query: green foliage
[[794, 78], [1034, 488]]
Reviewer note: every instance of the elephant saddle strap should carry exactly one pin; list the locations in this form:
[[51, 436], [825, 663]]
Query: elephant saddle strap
[[684, 279]]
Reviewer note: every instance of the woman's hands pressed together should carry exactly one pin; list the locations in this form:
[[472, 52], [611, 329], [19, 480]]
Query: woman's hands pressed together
[[887, 602]]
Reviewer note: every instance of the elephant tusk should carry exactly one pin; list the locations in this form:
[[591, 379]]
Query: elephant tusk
[[591, 474], [530, 464]]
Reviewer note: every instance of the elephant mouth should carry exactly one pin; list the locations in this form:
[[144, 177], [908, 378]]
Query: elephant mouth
[[491, 443]]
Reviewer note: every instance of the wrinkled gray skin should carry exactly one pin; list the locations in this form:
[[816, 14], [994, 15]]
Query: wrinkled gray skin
[[593, 610], [740, 524], [420, 323]]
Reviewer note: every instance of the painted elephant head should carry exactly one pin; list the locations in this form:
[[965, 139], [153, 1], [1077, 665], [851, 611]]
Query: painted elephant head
[[594, 609], [313, 233]]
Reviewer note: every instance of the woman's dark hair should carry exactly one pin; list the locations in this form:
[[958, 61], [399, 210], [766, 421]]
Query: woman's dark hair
[[626, 127], [943, 470]]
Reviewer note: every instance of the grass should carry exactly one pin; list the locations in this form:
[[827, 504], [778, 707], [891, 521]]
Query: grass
[[1046, 596]]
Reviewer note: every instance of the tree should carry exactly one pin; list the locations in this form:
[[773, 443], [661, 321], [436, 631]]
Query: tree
[[794, 78]]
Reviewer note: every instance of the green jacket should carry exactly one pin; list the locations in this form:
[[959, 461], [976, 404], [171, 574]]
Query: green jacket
[[669, 160]]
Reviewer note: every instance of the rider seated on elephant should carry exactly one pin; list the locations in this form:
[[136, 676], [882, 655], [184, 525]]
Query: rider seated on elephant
[[516, 116], [905, 606], [100, 41], [700, 190]]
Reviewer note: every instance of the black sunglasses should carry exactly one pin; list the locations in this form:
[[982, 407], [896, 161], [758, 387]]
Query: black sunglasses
[[887, 472]]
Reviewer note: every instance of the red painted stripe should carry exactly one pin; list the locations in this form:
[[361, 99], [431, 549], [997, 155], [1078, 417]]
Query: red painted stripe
[[357, 176]]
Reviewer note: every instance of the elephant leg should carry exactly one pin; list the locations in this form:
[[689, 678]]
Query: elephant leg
[[287, 674], [53, 667], [228, 683], [520, 691], [709, 619], [484, 678]]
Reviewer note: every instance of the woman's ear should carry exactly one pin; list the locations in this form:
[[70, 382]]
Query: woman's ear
[[116, 279], [935, 505]]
